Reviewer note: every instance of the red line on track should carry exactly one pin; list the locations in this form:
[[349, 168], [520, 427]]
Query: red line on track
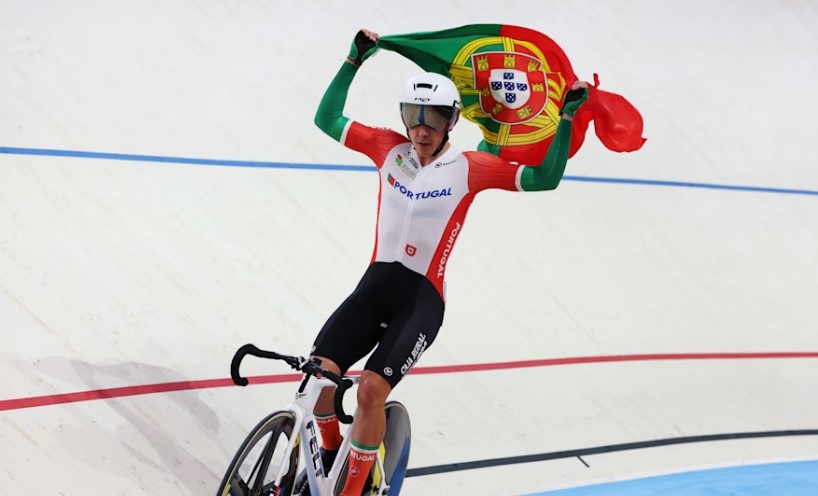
[[118, 392]]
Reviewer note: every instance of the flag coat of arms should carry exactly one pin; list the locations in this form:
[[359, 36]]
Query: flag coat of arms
[[512, 81], [512, 88]]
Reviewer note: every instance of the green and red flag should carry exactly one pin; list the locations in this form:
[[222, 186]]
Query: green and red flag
[[512, 81]]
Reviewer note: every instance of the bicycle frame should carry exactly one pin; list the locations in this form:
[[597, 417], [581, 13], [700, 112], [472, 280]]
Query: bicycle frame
[[321, 481]]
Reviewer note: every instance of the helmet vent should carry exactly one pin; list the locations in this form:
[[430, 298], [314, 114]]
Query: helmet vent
[[425, 85]]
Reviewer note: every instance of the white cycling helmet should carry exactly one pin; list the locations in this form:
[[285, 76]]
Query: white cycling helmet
[[431, 99]]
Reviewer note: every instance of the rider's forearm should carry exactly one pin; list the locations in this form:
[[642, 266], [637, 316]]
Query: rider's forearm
[[549, 173], [329, 116]]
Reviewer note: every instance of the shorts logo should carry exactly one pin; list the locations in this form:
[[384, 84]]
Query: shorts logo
[[420, 347], [387, 372], [411, 250]]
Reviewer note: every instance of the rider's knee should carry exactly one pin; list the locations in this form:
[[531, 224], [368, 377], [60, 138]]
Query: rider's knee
[[372, 391]]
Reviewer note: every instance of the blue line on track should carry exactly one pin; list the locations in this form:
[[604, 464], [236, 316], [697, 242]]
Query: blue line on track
[[367, 168]]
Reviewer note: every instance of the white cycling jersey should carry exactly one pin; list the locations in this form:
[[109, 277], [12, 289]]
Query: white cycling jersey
[[421, 210]]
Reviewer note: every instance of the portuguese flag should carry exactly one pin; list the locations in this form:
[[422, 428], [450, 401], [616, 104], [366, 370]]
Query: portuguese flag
[[512, 81]]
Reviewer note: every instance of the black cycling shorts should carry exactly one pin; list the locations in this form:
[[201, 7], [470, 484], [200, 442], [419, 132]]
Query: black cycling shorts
[[393, 310]]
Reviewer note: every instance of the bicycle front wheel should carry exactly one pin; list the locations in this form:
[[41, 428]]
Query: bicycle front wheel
[[261, 457]]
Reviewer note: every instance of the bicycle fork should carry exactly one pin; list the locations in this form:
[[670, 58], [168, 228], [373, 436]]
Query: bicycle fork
[[379, 478], [305, 399], [316, 472]]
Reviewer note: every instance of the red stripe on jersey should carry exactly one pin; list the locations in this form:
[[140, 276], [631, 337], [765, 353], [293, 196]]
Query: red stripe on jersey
[[374, 142], [487, 171], [437, 267]]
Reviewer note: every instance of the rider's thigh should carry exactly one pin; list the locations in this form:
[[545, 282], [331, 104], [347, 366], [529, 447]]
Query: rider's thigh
[[408, 336]]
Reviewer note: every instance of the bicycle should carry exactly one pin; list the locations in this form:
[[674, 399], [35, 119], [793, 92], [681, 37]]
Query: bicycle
[[272, 447]]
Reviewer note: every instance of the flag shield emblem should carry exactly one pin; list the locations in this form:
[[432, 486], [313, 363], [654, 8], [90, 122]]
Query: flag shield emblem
[[512, 86]]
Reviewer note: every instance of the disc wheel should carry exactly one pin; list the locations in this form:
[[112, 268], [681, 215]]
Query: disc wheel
[[397, 443], [260, 458]]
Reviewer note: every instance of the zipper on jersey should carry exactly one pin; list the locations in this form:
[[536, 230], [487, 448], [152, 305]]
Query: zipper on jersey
[[408, 215]]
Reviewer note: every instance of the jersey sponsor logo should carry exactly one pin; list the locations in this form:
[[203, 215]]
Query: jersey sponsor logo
[[404, 167], [441, 164], [410, 250], [417, 351], [446, 251], [413, 162], [435, 193]]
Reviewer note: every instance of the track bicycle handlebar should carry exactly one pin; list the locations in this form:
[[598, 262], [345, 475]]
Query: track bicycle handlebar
[[298, 363]]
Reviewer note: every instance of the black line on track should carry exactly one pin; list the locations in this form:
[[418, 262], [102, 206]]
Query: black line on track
[[611, 448]]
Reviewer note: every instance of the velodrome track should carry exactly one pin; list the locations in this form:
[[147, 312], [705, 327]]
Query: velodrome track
[[164, 198]]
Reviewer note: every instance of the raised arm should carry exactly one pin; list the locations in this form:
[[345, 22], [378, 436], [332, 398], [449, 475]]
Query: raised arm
[[329, 116], [549, 173]]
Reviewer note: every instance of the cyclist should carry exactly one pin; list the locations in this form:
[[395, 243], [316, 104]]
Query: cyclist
[[426, 187]]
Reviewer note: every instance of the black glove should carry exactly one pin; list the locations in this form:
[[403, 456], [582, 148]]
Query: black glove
[[362, 48], [573, 100]]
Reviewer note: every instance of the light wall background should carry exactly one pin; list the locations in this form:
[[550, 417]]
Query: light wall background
[[125, 272]]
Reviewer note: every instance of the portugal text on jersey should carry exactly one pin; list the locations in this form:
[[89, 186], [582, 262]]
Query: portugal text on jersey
[[421, 210]]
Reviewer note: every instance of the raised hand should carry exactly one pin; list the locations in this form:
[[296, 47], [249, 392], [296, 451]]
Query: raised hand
[[363, 46], [575, 97]]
